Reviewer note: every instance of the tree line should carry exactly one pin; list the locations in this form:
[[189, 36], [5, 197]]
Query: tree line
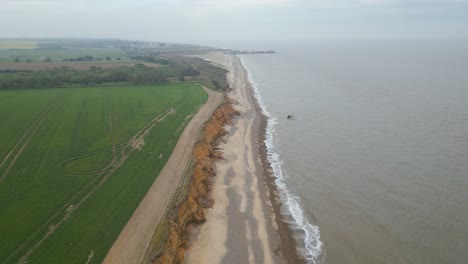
[[66, 76], [176, 68], [89, 58]]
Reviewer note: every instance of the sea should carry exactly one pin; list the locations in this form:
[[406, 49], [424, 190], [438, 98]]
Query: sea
[[373, 167]]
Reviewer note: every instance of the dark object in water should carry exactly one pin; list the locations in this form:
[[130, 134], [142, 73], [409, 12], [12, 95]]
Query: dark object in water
[[291, 117]]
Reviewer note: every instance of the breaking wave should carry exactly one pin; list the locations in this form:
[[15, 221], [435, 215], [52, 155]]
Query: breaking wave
[[313, 246]]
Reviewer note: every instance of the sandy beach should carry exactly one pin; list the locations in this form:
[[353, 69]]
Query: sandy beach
[[244, 225]]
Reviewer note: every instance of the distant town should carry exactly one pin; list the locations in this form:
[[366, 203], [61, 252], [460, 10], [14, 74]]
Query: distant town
[[252, 51]]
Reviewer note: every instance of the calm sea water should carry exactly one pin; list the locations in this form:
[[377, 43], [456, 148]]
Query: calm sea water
[[375, 164]]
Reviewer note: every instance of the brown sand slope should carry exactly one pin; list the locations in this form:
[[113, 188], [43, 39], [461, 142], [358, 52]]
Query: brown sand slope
[[241, 227], [134, 239]]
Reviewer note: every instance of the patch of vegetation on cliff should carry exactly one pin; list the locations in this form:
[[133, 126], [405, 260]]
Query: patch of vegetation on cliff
[[208, 74]]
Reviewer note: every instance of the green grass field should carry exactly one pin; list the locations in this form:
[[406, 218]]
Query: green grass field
[[76, 162]]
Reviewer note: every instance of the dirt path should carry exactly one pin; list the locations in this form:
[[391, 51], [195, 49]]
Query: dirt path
[[130, 247]]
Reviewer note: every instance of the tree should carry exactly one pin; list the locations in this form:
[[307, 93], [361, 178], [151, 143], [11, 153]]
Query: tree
[[17, 60], [182, 78], [47, 59], [108, 58]]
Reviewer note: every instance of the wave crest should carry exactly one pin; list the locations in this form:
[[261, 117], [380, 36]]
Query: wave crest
[[313, 246]]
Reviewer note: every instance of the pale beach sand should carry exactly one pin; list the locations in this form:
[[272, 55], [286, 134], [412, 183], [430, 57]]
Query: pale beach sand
[[241, 227]]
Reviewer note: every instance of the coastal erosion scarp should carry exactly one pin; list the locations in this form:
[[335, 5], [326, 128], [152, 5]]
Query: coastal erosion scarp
[[191, 211], [132, 243]]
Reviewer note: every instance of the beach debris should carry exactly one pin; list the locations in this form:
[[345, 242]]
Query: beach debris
[[290, 117]]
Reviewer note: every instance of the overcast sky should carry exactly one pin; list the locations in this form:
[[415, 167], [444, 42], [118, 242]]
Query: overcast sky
[[209, 21]]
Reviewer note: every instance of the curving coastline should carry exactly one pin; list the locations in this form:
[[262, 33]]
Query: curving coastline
[[245, 224], [306, 234]]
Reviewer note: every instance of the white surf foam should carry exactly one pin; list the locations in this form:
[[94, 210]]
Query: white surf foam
[[313, 246]]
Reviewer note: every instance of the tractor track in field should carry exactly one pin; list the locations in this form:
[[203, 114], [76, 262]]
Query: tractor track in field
[[117, 124], [84, 155], [110, 108], [105, 173], [115, 140], [8, 97], [117, 144], [117, 131], [27, 135]]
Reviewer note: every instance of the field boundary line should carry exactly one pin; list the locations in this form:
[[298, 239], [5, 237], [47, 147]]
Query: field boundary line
[[110, 110]]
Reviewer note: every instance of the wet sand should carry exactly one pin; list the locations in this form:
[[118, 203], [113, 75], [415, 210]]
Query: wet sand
[[244, 225]]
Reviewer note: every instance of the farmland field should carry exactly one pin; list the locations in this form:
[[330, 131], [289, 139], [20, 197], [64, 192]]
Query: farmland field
[[59, 54], [18, 44], [76, 162]]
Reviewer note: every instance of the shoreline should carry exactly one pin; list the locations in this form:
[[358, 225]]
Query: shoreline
[[296, 229], [245, 224], [288, 242]]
